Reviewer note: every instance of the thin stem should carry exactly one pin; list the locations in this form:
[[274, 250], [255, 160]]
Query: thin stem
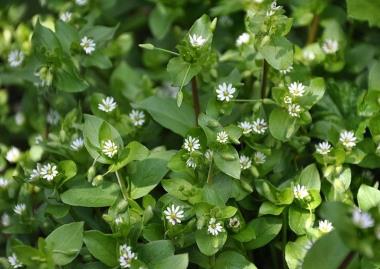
[[274, 257], [264, 77], [313, 29], [167, 51], [196, 104], [347, 260], [209, 175], [246, 100], [123, 189], [284, 239]]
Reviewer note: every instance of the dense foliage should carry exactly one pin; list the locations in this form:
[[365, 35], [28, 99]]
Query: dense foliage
[[189, 134]]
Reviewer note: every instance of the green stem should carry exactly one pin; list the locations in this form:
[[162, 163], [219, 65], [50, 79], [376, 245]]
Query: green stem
[[123, 188], [196, 103], [209, 175], [274, 257], [167, 51], [284, 239], [264, 78], [313, 29]]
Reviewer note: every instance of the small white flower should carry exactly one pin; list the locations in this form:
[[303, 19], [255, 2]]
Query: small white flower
[[323, 148], [88, 45], [273, 9], [81, 2], [65, 16], [197, 40], [348, 139], [13, 155], [108, 104], [245, 162], [325, 226], [225, 92], [36, 172], [119, 220], [208, 154], [242, 39], [308, 55], [259, 157], [109, 148], [77, 144], [3, 183], [287, 70], [5, 220], [48, 171], [19, 209], [137, 117], [246, 127], [330, 46], [259, 126], [214, 228], [234, 223], [300, 192], [19, 118], [15, 58], [361, 219], [53, 117], [296, 89], [191, 144], [294, 110], [126, 256], [14, 262], [38, 139], [174, 214], [191, 163], [222, 137]]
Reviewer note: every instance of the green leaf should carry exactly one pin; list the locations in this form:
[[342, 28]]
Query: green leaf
[[273, 194], [69, 169], [100, 34], [28, 255], [97, 59], [247, 233], [310, 177], [300, 220], [266, 228], [148, 172], [368, 197], [278, 52], [155, 251], [181, 72], [233, 260], [327, 253], [209, 244], [295, 252], [88, 196], [134, 151], [181, 261], [281, 125], [364, 10], [66, 35], [373, 77], [102, 246], [166, 112], [45, 38], [160, 20], [227, 160], [66, 79], [65, 242], [314, 93]]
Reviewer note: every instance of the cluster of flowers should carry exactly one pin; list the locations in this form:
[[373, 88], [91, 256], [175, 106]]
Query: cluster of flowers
[[347, 138]]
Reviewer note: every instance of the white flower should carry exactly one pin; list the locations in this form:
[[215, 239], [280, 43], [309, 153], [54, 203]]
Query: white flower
[[325, 226], [273, 9], [191, 163], [246, 127], [287, 70], [300, 192], [208, 154], [77, 144], [361, 219], [109, 148], [65, 16], [174, 214], [3, 183], [234, 223], [191, 144], [108, 104], [15, 58], [126, 256], [222, 137], [214, 228], [242, 39], [36, 172], [13, 155], [53, 117], [48, 171], [245, 162], [38, 139], [88, 45], [5, 220], [294, 110], [308, 55], [197, 40], [225, 92], [259, 157], [259, 126], [296, 89], [330, 46], [119, 220], [14, 262], [19, 209], [19, 118], [81, 2], [348, 139], [137, 117], [323, 148]]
